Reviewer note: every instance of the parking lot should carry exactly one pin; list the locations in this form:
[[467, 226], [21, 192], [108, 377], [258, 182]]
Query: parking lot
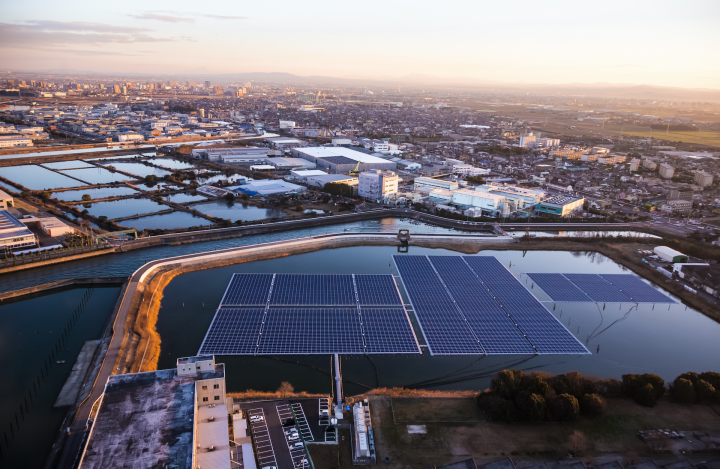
[[275, 447]]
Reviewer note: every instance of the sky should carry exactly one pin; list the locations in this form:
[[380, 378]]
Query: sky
[[664, 43]]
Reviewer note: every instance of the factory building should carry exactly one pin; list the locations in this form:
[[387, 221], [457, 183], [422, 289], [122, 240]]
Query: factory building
[[378, 185], [484, 201], [338, 160], [14, 234], [288, 164], [319, 180], [248, 155], [268, 187], [523, 196], [284, 143], [560, 205], [166, 418], [430, 184]]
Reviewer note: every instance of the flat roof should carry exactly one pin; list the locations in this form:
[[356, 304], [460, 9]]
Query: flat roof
[[561, 200], [308, 172], [332, 177], [325, 152], [145, 420]]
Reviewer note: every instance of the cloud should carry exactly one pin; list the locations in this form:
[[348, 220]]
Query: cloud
[[80, 26], [34, 35], [223, 17], [630, 66], [165, 18]]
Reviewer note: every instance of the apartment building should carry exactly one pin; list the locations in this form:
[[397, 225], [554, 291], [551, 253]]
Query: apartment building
[[378, 184]]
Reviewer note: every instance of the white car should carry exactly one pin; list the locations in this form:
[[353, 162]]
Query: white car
[[293, 437], [256, 418], [291, 430], [296, 446]]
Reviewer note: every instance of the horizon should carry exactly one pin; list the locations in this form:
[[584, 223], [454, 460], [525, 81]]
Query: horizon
[[651, 44]]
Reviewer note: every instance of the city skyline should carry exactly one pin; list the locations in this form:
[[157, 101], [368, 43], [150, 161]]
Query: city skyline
[[637, 43]]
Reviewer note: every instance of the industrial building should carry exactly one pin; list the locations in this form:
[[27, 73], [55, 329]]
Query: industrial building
[[363, 447], [249, 155], [284, 143], [430, 184], [166, 418], [6, 200], [338, 160], [670, 255], [270, 187], [287, 164], [301, 175], [561, 205], [14, 234], [319, 180], [524, 197], [378, 185], [478, 200]]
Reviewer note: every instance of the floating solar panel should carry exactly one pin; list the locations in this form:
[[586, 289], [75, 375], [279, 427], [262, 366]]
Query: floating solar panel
[[490, 324], [638, 290], [233, 332], [444, 328], [313, 290], [311, 331], [543, 330], [377, 290], [558, 287], [287, 325], [597, 288], [247, 290], [388, 330]]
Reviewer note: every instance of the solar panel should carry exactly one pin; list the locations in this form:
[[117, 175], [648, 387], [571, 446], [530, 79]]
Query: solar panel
[[247, 290], [377, 290], [388, 330], [542, 329], [597, 288], [490, 324], [558, 287], [638, 290], [233, 332], [444, 328], [311, 331], [313, 290]]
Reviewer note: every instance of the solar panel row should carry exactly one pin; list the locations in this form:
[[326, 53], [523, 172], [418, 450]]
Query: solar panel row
[[364, 314], [457, 298], [542, 329], [638, 290], [558, 287], [597, 288]]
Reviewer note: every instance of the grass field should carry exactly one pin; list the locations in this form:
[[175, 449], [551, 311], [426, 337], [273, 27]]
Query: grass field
[[612, 434]]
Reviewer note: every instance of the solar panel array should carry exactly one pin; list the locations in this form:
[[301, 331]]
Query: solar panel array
[[621, 288], [310, 314], [597, 288], [638, 290], [558, 287], [444, 328], [542, 329], [460, 298]]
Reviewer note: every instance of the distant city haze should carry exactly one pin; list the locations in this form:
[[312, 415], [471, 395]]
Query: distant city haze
[[660, 43]]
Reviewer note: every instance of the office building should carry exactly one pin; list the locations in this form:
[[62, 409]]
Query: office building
[[338, 160], [666, 171], [378, 185], [560, 205], [218, 89], [287, 125], [207, 84], [527, 141], [703, 179], [677, 206], [680, 194], [116, 89], [167, 418], [6, 200]]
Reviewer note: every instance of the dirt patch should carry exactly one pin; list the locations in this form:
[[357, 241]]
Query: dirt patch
[[422, 410]]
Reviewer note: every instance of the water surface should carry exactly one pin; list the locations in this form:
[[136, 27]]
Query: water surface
[[36, 178], [125, 208], [167, 221], [171, 163], [100, 193], [184, 198], [73, 164], [139, 169], [237, 211], [97, 175]]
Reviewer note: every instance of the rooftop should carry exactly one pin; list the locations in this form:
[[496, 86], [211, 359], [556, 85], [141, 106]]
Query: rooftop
[[352, 154], [561, 200], [145, 420]]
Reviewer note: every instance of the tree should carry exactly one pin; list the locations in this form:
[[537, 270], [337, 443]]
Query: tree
[[564, 408], [150, 180], [578, 441], [592, 404], [645, 396], [326, 199], [86, 197], [704, 390], [505, 383], [230, 197], [683, 391], [299, 208], [531, 407], [285, 389], [645, 389]]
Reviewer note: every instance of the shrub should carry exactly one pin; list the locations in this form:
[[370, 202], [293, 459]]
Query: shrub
[[496, 408], [704, 390], [645, 395], [505, 383], [531, 407], [564, 408], [592, 404], [645, 389]]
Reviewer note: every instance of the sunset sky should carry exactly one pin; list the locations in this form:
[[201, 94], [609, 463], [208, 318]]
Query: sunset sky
[[644, 42]]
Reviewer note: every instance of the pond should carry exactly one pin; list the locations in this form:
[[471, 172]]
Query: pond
[[171, 163], [73, 164], [36, 178], [167, 221], [623, 338], [236, 211], [124, 208], [97, 175], [184, 198], [29, 329], [139, 169], [100, 193], [64, 152]]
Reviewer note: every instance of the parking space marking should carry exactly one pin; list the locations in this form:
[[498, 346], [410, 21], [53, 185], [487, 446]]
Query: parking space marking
[[297, 454], [261, 437], [302, 422]]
